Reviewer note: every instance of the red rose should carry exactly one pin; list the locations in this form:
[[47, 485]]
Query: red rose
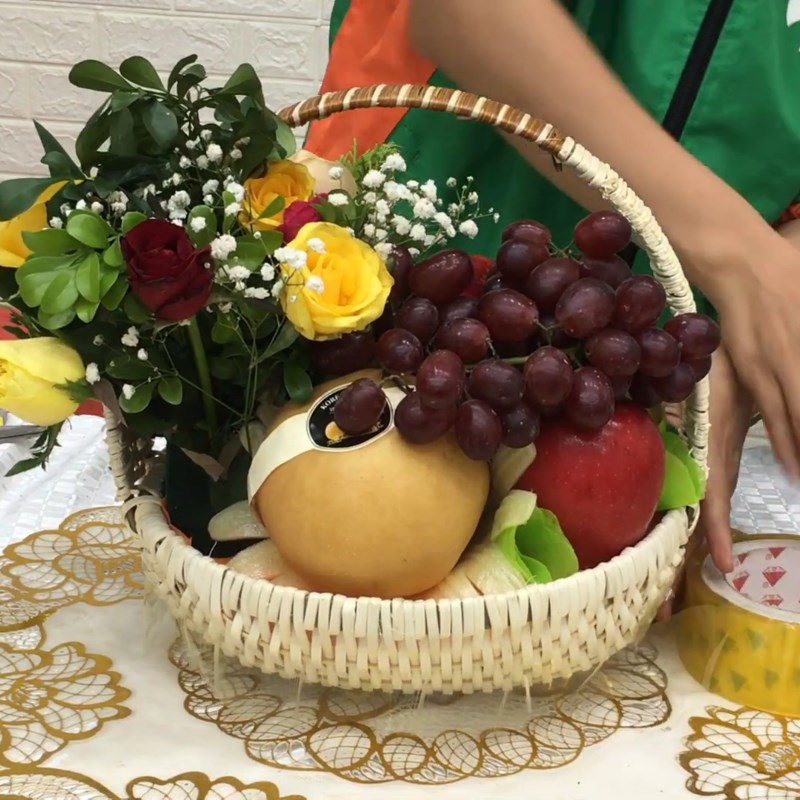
[[481, 267], [166, 273], [295, 215]]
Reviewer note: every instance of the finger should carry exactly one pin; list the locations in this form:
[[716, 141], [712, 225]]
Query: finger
[[716, 515]]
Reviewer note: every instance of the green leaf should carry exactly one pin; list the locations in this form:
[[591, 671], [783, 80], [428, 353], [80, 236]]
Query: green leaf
[[140, 70], [64, 166], [131, 219], [178, 68], [89, 229], [124, 141], [171, 390], [286, 337], [108, 277], [139, 400], [120, 100], [36, 274], [675, 445], [129, 368], [115, 295], [297, 382], [678, 489], [54, 322], [271, 241], [223, 331], [93, 136], [191, 77], [41, 450], [542, 539], [134, 310], [250, 254], [97, 77], [112, 255], [244, 80], [223, 369], [19, 194], [86, 310], [161, 123], [204, 236], [50, 242], [278, 204], [87, 279], [285, 138], [61, 294]]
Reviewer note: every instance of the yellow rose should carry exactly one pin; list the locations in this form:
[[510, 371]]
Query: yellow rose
[[283, 179], [13, 250], [341, 289], [30, 370], [320, 171]]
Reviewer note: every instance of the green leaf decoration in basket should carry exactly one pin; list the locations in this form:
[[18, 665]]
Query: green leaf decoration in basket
[[684, 481]]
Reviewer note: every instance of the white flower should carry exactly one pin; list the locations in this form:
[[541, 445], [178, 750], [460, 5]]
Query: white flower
[[424, 208], [225, 308], [338, 199], [294, 258], [97, 208], [208, 199], [316, 245], [236, 154], [232, 209], [370, 198], [93, 173], [142, 355], [412, 184], [373, 179], [451, 231], [80, 205], [453, 209], [401, 225], [470, 179], [98, 340], [369, 230], [277, 288], [381, 234], [442, 219], [451, 183], [92, 373], [214, 153], [429, 240], [211, 186], [202, 162], [177, 222], [222, 247], [315, 284], [177, 179], [65, 209], [382, 207], [191, 144], [239, 286], [257, 235], [177, 205], [206, 135], [56, 222], [335, 173], [227, 180], [468, 228], [395, 162], [185, 162], [237, 272], [257, 293], [472, 197], [384, 249], [414, 251], [496, 217], [127, 391], [429, 189], [130, 338], [236, 189], [418, 233], [268, 273], [198, 224]]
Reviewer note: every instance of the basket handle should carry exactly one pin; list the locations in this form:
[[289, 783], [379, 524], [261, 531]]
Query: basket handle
[[597, 174]]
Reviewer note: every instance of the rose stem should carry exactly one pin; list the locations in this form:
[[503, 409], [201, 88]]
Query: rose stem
[[203, 375]]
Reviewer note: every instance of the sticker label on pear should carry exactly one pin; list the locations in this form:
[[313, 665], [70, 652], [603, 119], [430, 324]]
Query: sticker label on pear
[[325, 434]]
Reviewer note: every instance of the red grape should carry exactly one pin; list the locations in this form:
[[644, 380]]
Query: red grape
[[547, 377], [615, 353], [552, 333], [620, 386], [359, 406], [400, 351], [420, 424], [419, 316], [497, 383], [639, 303], [643, 391], [400, 263], [585, 307], [520, 426], [528, 230], [660, 352], [478, 430], [509, 315], [349, 353], [698, 335], [602, 234], [467, 338], [494, 280], [440, 379], [700, 367], [547, 282], [459, 308], [442, 277], [517, 258], [678, 385], [590, 403], [611, 270]]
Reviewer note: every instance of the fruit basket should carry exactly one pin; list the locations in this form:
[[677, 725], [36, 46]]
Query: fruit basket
[[540, 636]]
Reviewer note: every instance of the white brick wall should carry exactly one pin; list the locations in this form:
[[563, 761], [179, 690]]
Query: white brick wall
[[286, 41]]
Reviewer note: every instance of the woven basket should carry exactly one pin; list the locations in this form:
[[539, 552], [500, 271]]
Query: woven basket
[[539, 636]]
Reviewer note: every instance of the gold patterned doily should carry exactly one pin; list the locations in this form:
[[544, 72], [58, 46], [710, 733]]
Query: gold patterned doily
[[743, 755]]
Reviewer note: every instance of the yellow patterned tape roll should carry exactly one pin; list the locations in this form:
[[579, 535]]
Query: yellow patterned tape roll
[[739, 634]]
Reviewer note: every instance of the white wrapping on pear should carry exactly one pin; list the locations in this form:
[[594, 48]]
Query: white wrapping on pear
[[236, 522], [507, 467], [264, 562]]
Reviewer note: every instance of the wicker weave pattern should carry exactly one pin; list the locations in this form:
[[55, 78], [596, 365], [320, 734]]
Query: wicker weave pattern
[[540, 635]]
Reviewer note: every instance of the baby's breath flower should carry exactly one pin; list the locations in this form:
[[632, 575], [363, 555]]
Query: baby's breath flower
[[442, 219], [370, 198], [236, 154], [277, 288], [338, 199], [185, 162], [92, 373], [468, 228], [452, 209], [496, 217], [210, 186], [198, 224], [257, 235], [93, 173], [206, 135], [80, 205], [316, 245], [382, 207], [383, 249], [191, 144], [451, 231], [335, 173], [315, 284], [292, 257], [98, 340], [202, 162], [413, 251], [214, 153], [237, 190], [56, 222], [142, 354], [257, 292], [130, 338], [127, 391], [418, 232], [401, 225], [472, 198], [238, 273], [65, 209], [381, 234], [429, 189], [208, 199], [412, 184], [225, 308], [222, 247], [452, 183], [369, 230], [373, 179], [424, 208], [394, 162], [232, 209], [268, 273], [97, 208]]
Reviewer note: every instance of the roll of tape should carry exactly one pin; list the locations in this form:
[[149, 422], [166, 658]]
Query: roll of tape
[[739, 634]]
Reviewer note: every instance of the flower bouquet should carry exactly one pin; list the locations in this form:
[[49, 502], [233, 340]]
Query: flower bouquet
[[353, 403]]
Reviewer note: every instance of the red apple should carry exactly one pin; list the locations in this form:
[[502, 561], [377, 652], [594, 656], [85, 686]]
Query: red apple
[[602, 485]]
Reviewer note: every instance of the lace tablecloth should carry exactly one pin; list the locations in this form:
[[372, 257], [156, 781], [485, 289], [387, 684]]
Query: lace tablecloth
[[100, 697]]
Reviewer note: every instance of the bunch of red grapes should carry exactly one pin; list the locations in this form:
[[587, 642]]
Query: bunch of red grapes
[[546, 333]]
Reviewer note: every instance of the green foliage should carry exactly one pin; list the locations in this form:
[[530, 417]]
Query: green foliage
[[40, 451]]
